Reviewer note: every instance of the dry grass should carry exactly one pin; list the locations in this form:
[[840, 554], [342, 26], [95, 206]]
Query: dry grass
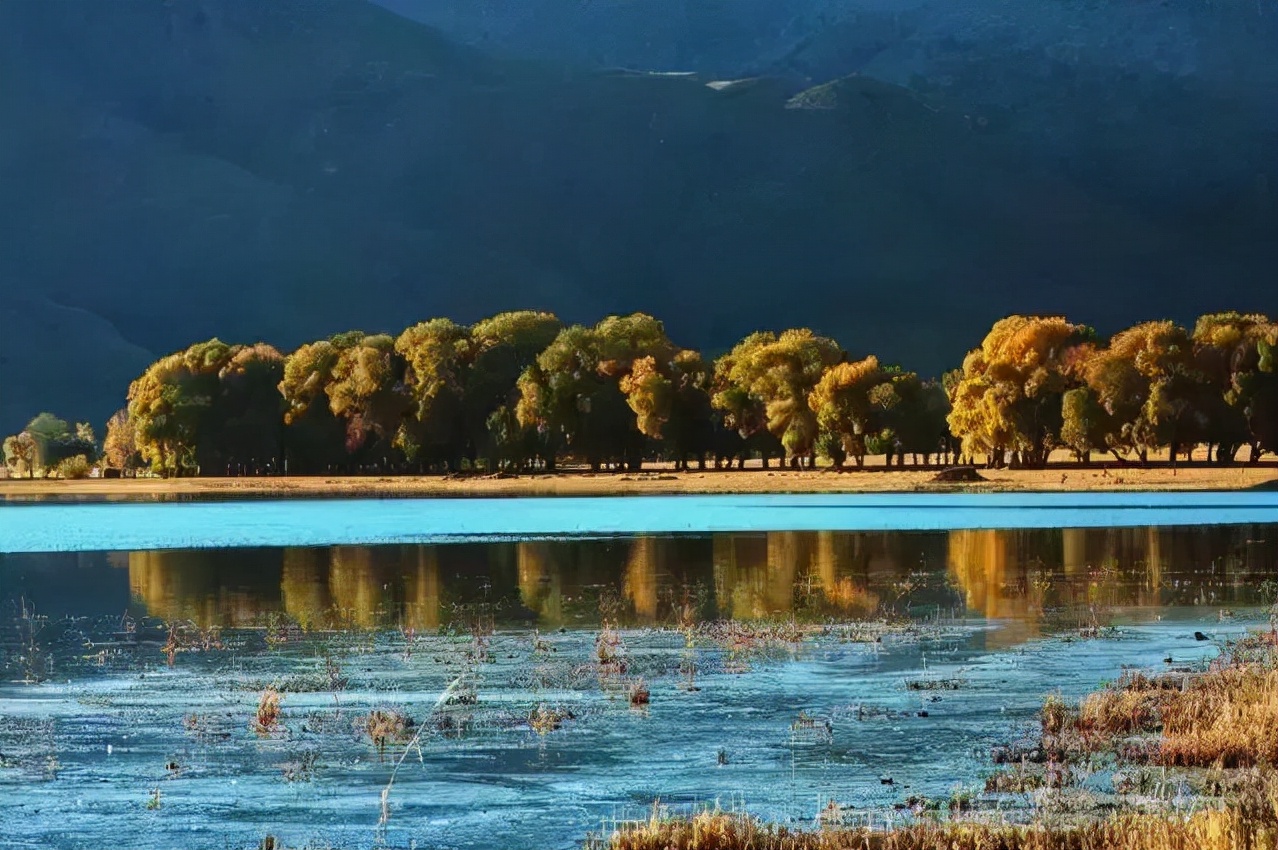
[[1224, 717], [385, 726], [267, 718], [543, 720], [1232, 828]]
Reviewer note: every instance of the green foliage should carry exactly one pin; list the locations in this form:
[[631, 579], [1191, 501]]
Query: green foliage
[[1084, 423], [520, 388], [765, 382], [206, 408], [73, 468]]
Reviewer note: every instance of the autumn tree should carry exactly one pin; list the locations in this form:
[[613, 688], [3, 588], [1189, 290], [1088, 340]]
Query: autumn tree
[[119, 446], [437, 356], [912, 415], [764, 384], [1009, 397], [20, 454], [503, 347], [367, 391], [463, 385], [601, 391], [842, 403], [345, 400], [1147, 382], [55, 441], [1233, 351], [1084, 423], [206, 408]]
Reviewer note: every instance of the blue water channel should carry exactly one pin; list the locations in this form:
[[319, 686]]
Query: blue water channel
[[68, 527]]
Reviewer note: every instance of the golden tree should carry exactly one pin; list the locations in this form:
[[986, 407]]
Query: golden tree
[[1009, 395], [765, 382]]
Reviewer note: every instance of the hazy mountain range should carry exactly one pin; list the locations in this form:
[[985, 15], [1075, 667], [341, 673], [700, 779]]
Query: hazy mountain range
[[896, 173]]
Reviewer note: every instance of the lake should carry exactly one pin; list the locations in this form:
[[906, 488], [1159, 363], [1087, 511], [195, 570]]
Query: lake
[[795, 650]]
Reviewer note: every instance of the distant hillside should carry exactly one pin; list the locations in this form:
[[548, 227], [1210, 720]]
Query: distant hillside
[[283, 171]]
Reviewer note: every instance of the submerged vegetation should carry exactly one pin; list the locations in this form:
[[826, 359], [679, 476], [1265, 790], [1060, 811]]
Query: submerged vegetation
[[522, 392]]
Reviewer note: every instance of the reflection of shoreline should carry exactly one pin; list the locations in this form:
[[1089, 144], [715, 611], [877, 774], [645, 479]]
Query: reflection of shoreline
[[1033, 581]]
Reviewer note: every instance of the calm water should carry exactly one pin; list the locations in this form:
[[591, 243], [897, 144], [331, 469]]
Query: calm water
[[128, 673], [52, 527]]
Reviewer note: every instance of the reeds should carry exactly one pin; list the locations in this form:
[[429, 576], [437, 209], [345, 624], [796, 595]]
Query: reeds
[[1226, 716], [385, 726], [267, 718], [1231, 828]]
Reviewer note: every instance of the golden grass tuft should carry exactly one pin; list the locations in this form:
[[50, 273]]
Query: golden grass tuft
[[384, 727], [268, 711], [1225, 717], [1214, 829]]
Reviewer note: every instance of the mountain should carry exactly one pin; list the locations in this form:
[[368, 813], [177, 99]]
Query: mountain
[[181, 169]]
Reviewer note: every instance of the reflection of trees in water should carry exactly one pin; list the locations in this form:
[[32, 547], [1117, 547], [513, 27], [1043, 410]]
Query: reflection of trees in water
[[646, 565], [304, 586], [210, 588], [827, 572], [541, 580], [1010, 575], [1017, 574], [991, 569]]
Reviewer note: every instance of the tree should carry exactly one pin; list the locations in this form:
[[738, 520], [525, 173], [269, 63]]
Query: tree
[[503, 347], [1147, 382], [119, 447], [20, 452], [601, 391], [1230, 351], [437, 356], [842, 403], [208, 408], [367, 391], [248, 411], [1010, 392], [345, 400], [314, 438], [1084, 423], [913, 413], [768, 378]]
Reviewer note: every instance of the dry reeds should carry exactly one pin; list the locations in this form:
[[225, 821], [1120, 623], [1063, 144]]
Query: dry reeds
[[543, 720], [267, 718], [1214, 829], [384, 727], [1226, 716]]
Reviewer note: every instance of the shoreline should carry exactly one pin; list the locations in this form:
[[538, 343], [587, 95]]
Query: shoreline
[[655, 481]]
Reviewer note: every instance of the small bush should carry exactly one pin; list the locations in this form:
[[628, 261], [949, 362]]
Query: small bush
[[73, 468]]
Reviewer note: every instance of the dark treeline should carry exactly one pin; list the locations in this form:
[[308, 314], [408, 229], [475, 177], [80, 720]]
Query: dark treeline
[[521, 392]]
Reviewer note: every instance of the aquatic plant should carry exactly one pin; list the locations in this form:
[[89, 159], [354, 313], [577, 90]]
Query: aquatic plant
[[384, 726], [1250, 823], [268, 711], [543, 720], [638, 693]]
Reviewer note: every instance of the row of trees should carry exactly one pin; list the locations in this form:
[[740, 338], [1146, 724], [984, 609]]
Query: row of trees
[[1037, 384], [522, 391]]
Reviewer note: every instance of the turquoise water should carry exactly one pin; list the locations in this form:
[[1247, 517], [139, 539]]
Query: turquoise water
[[62, 527]]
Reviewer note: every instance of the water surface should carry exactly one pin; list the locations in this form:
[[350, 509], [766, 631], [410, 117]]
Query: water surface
[[131, 672], [44, 527]]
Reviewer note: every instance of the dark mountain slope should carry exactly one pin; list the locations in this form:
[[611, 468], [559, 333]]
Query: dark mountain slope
[[287, 170]]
